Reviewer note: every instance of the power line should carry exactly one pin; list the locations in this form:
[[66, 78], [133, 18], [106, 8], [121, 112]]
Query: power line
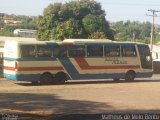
[[153, 15]]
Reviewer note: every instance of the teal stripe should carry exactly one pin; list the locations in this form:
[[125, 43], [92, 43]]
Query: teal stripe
[[102, 43], [30, 59]]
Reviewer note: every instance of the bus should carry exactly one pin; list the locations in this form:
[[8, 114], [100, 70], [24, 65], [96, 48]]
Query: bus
[[76, 59]]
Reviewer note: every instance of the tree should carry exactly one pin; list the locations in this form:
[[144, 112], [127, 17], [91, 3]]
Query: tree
[[43, 31], [68, 29], [132, 31], [75, 19], [93, 23], [97, 35]]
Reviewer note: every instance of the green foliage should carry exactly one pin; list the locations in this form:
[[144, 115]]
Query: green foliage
[[68, 29], [44, 32], [26, 22], [6, 33], [11, 28], [97, 35], [75, 19], [132, 31], [92, 23]]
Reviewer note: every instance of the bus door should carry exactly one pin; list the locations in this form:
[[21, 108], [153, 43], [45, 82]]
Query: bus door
[[145, 56]]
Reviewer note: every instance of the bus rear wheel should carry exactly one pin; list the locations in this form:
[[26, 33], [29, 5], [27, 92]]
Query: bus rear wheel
[[130, 75], [46, 78], [116, 79], [35, 82], [60, 78]]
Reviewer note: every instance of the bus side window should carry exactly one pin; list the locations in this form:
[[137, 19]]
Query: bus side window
[[27, 51], [77, 51], [60, 51], [112, 51], [128, 51], [44, 51], [94, 51]]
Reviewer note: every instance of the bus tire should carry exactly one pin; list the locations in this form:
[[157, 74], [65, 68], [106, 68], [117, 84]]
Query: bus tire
[[116, 79], [60, 78], [130, 75], [35, 82], [46, 78]]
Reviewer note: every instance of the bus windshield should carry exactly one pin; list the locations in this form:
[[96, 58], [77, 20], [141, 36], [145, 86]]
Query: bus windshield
[[145, 56]]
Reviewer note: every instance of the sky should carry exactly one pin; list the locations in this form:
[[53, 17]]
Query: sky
[[116, 10]]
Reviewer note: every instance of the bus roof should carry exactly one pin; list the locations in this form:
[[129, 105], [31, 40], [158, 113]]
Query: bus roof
[[74, 42], [93, 42], [31, 42]]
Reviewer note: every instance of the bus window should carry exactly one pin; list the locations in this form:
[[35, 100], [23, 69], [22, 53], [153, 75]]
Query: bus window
[[77, 51], [60, 51], [27, 51], [112, 51], [44, 51], [94, 51], [128, 51]]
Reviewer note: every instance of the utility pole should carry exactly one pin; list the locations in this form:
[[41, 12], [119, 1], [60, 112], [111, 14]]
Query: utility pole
[[152, 28]]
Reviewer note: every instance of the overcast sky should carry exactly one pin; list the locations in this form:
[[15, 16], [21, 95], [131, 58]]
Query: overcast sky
[[116, 10]]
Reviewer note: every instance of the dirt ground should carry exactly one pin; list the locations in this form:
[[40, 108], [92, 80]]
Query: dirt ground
[[79, 98]]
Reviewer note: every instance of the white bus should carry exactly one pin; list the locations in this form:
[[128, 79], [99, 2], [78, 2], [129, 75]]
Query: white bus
[[53, 62]]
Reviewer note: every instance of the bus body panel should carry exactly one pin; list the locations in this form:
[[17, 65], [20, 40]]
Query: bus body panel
[[75, 67], [29, 70], [86, 68]]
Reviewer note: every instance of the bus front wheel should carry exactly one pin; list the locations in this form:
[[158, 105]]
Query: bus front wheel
[[130, 75], [46, 78]]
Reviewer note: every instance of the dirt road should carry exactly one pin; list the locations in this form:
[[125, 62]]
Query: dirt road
[[80, 97]]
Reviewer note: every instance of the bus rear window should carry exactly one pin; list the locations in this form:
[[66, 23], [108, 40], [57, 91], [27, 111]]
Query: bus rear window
[[28, 51]]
